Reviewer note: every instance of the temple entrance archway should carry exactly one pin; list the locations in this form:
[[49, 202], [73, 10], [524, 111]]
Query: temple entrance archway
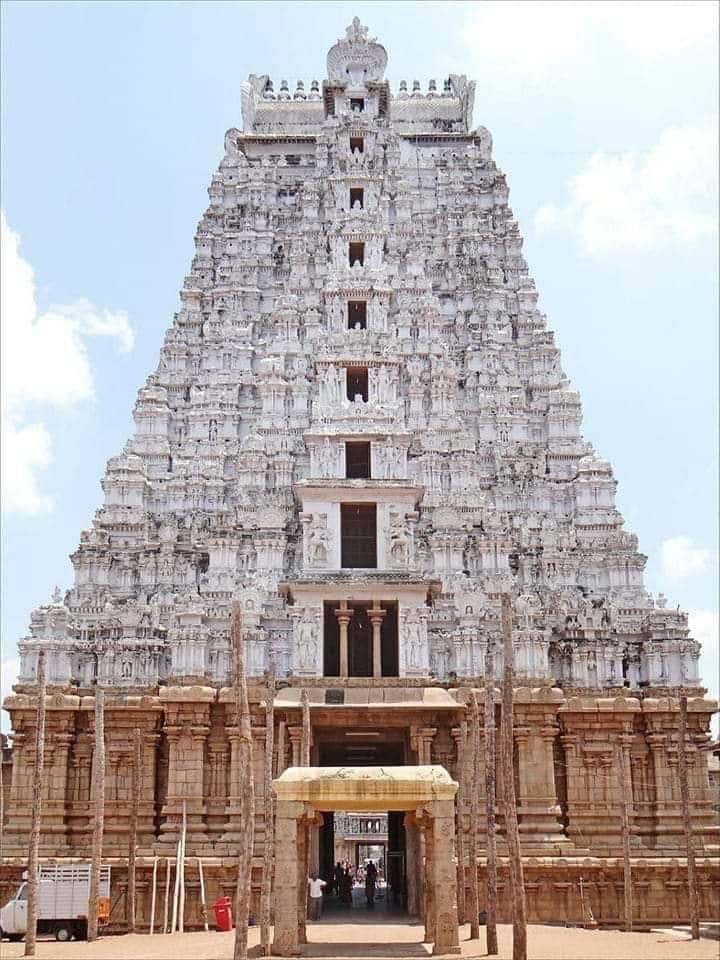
[[426, 797]]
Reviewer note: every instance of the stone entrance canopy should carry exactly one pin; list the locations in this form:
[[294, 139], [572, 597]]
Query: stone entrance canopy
[[426, 793]]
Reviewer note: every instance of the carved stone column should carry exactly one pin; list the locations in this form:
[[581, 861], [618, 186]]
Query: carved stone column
[[421, 739], [428, 879], [442, 876], [286, 942], [376, 615], [538, 808], [344, 616], [295, 734], [413, 866], [187, 722]]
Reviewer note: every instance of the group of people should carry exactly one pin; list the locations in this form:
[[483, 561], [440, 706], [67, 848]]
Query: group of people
[[344, 879]]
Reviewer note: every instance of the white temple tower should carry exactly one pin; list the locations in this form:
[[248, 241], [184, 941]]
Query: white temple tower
[[359, 425]]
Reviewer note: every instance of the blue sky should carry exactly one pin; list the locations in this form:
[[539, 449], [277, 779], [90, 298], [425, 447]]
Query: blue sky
[[603, 116]]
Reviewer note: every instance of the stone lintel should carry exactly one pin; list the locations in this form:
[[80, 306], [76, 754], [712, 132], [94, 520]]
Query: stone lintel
[[365, 788]]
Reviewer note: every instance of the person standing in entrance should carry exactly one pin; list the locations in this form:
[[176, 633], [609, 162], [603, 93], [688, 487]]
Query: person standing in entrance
[[370, 880], [338, 879], [315, 885]]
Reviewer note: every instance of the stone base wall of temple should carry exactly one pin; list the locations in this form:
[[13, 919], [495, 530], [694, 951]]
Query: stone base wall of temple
[[570, 890], [575, 759]]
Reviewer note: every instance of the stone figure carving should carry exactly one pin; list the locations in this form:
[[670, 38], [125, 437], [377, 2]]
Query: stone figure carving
[[326, 458], [399, 540], [307, 644], [318, 538], [412, 639]]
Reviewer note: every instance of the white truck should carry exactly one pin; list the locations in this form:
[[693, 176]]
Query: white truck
[[63, 895]]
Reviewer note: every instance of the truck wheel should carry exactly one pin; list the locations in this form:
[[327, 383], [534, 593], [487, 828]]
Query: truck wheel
[[63, 932], [81, 930]]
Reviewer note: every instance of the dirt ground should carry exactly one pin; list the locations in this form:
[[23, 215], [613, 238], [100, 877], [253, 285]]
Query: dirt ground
[[372, 939]]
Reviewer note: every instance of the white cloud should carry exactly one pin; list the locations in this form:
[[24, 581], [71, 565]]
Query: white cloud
[[681, 557], [524, 38], [45, 363], [640, 201]]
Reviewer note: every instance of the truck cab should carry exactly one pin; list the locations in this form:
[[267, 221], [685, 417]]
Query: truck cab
[[13, 916]]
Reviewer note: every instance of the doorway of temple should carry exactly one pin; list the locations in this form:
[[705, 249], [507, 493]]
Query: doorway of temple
[[362, 860], [349, 840]]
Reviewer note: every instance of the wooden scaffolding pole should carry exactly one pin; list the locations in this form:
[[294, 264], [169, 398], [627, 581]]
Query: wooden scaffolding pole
[[491, 840], [153, 896], [693, 897], [36, 813], [474, 817], [625, 794], [306, 734], [269, 849], [99, 818], [247, 796], [136, 790], [460, 820], [517, 884]]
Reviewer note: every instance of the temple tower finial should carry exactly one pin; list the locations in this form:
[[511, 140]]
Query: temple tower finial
[[356, 59]]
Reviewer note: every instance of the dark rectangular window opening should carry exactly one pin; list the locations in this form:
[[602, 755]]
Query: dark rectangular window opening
[[357, 383], [356, 254], [358, 534], [357, 143], [357, 103], [357, 315], [357, 196], [360, 643], [357, 460]]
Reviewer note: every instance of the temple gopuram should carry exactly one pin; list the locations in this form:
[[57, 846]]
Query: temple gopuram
[[360, 429]]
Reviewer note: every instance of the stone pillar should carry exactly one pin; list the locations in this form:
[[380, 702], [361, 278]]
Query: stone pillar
[[295, 734], [376, 615], [344, 616], [442, 876], [413, 866], [59, 735], [428, 880], [421, 740], [122, 718], [538, 808], [302, 878], [286, 942], [187, 722]]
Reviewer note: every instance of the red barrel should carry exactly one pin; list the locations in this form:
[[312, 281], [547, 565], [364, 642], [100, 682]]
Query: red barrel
[[222, 909]]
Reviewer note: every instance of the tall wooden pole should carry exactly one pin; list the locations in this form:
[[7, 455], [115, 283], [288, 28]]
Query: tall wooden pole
[[474, 817], [306, 734], [693, 897], [460, 819], [36, 813], [269, 850], [99, 819], [181, 900], [136, 790], [153, 897], [625, 793], [517, 884], [491, 841], [247, 796]]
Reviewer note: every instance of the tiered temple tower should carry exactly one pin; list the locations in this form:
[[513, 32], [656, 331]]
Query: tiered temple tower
[[359, 426]]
